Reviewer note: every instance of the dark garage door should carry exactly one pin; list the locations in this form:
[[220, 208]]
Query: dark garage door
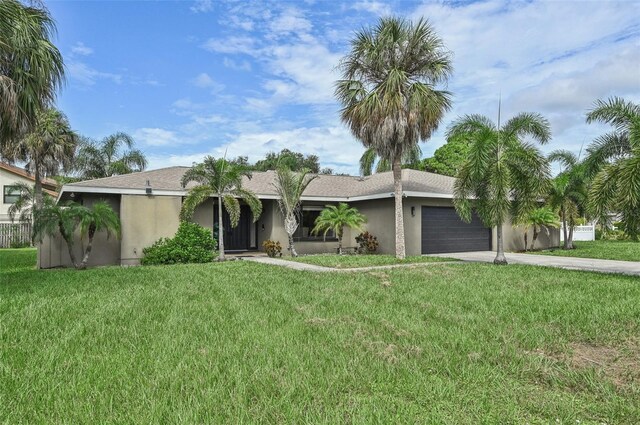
[[444, 231]]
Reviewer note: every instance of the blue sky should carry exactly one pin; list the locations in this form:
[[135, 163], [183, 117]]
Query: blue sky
[[188, 79]]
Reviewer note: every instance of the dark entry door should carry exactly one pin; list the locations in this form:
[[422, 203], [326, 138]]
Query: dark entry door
[[444, 231], [235, 239]]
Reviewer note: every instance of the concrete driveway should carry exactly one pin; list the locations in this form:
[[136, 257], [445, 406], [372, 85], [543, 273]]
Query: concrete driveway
[[571, 263]]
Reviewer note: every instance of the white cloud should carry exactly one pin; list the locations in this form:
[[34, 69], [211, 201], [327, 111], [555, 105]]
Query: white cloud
[[81, 50], [204, 81], [374, 7], [233, 44], [202, 6], [88, 76], [237, 65], [290, 21], [156, 137]]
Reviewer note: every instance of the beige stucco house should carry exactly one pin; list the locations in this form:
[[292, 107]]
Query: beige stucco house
[[149, 203]]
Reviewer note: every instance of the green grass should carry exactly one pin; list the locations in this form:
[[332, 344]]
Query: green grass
[[607, 250], [354, 261], [242, 342]]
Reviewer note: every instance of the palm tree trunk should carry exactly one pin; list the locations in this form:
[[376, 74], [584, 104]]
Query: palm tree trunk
[[500, 258], [37, 189], [397, 192], [220, 229], [292, 248], [69, 242], [340, 240], [564, 229], [87, 251], [570, 239], [535, 237], [526, 237]]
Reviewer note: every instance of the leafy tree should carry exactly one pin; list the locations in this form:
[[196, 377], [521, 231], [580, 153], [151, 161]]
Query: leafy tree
[[568, 192], [46, 149], [502, 175], [222, 179], [370, 158], [31, 67], [290, 186], [448, 158], [295, 161], [614, 160], [67, 218], [389, 94], [111, 156], [336, 218], [538, 219]]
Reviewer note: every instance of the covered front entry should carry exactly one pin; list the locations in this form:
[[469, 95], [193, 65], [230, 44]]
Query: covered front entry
[[443, 231], [240, 238]]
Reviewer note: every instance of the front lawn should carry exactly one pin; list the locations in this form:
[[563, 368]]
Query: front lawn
[[353, 261], [241, 342], [607, 250]]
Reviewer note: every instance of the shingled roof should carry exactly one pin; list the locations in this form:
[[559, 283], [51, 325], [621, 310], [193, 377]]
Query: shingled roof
[[166, 181]]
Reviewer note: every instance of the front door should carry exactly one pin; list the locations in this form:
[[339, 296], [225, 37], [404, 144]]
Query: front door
[[235, 239]]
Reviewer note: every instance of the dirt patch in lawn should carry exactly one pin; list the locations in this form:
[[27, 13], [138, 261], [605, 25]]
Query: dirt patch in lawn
[[618, 364]]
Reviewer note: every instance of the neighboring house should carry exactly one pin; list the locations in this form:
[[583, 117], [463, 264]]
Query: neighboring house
[[149, 203], [9, 176]]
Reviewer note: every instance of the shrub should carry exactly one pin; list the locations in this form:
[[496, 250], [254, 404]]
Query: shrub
[[367, 243], [191, 244], [273, 248]]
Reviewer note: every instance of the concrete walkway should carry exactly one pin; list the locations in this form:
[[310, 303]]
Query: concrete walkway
[[571, 263], [314, 268]]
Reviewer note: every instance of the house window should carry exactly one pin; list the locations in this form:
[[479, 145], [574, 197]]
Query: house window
[[306, 222], [11, 194]]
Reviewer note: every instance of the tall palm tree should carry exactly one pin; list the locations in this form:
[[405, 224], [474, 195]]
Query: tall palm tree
[[113, 155], [290, 186], [222, 179], [31, 67], [502, 174], [65, 219], [336, 218], [538, 219], [389, 94], [614, 160], [568, 192], [370, 159], [47, 149]]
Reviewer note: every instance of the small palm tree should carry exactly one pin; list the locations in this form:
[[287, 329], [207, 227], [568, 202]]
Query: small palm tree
[[47, 149], [538, 219], [65, 219], [389, 94], [222, 179], [370, 159], [290, 186], [502, 174], [614, 159], [113, 155], [31, 67], [336, 218], [568, 192]]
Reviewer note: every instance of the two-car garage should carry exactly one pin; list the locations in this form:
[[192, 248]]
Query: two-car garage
[[443, 231]]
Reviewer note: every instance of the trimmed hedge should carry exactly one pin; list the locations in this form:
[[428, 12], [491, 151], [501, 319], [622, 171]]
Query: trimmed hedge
[[191, 244]]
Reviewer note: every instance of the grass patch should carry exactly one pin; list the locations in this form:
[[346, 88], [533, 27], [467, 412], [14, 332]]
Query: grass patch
[[354, 261], [606, 250], [246, 342]]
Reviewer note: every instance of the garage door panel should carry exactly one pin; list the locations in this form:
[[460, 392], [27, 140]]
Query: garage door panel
[[443, 231]]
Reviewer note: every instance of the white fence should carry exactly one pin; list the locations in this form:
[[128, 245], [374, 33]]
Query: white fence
[[15, 235], [581, 233]]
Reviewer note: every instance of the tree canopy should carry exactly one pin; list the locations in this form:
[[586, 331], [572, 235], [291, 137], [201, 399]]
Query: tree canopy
[[448, 158]]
